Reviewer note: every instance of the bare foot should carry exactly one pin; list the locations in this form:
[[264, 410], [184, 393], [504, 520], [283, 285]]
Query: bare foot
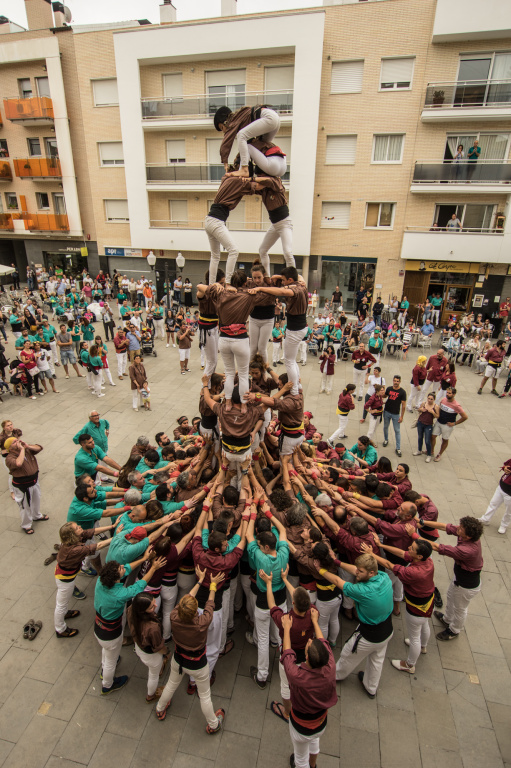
[[228, 405], [243, 407], [243, 172]]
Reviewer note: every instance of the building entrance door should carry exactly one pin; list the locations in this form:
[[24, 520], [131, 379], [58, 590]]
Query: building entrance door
[[350, 276]]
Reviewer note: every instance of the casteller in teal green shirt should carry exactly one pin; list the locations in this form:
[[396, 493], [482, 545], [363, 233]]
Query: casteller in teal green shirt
[[269, 563], [87, 463], [98, 432], [125, 551], [110, 602], [373, 599]]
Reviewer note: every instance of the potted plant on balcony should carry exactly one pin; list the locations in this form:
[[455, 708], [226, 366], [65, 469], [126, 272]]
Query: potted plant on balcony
[[438, 98], [27, 165]]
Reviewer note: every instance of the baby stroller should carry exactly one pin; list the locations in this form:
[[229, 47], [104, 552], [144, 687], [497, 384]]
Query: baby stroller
[[147, 341]]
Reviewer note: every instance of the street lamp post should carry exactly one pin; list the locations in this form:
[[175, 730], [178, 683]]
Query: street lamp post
[[167, 286]]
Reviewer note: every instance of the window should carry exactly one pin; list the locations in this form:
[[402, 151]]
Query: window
[[176, 151], [379, 215], [110, 153], [11, 200], [43, 86], [225, 87], [4, 150], [178, 212], [25, 88], [476, 217], [43, 200], [173, 86], [494, 146], [51, 149], [279, 78], [347, 76], [59, 203], [340, 150], [116, 210], [396, 73], [335, 215], [388, 148], [34, 147], [105, 92]]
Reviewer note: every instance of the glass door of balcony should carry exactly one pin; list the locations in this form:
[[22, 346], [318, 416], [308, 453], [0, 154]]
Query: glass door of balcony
[[499, 91], [473, 81]]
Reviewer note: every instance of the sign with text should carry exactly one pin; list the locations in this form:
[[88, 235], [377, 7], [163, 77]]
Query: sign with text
[[441, 266]]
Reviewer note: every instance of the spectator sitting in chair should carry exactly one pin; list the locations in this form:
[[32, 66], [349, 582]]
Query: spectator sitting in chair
[[427, 329]]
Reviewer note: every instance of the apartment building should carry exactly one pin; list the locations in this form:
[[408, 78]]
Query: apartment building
[[375, 99]]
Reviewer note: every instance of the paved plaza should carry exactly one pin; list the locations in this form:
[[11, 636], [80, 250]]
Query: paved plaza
[[454, 711]]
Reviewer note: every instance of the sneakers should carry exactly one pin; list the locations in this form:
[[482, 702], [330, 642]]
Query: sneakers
[[398, 452], [78, 595], [260, 683], [417, 453], [385, 443], [428, 459], [437, 599], [249, 637], [424, 650], [118, 683], [440, 616], [502, 529], [483, 521], [494, 392], [191, 688], [361, 680], [402, 666], [89, 571], [480, 391], [168, 345], [102, 394], [220, 713], [359, 399], [446, 635]]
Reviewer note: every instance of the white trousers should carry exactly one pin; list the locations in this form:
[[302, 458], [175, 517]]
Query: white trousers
[[264, 630], [418, 633], [110, 650], [153, 662], [439, 395], [201, 677], [302, 351], [498, 498], [226, 597], [414, 397], [397, 586], [88, 377], [107, 374], [401, 319], [185, 582], [433, 385], [259, 334], [97, 382], [236, 355], [358, 381], [159, 328], [211, 352], [213, 646], [304, 746], [137, 398], [219, 235], [29, 511], [347, 602], [284, 683], [249, 595], [339, 433], [168, 602], [435, 315], [329, 618], [273, 165], [374, 653], [64, 592], [374, 423], [267, 127], [290, 346], [326, 382], [282, 229], [53, 348], [233, 592], [277, 349], [289, 444], [122, 361], [456, 606]]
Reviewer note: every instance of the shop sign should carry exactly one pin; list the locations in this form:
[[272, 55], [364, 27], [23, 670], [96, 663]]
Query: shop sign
[[69, 248], [441, 266], [133, 252], [114, 251]]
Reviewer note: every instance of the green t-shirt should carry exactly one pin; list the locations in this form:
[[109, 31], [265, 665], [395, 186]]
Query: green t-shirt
[[82, 513], [110, 602], [373, 599], [269, 564], [87, 463], [124, 551]]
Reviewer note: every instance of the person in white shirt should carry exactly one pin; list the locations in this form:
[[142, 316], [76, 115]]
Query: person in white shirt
[[43, 366], [132, 288], [320, 320], [51, 286], [125, 283], [372, 379]]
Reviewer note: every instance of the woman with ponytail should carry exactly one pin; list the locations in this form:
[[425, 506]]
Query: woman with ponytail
[[345, 404], [149, 646]]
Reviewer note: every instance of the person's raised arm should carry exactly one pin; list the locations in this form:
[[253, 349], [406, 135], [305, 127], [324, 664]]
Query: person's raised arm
[[366, 549], [268, 580], [315, 623], [287, 623]]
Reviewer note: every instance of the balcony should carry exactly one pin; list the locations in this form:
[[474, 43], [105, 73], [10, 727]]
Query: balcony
[[457, 20], [467, 100], [6, 222], [188, 176], [44, 222], [484, 176], [37, 110], [193, 111], [468, 245], [234, 226], [5, 171], [38, 168]]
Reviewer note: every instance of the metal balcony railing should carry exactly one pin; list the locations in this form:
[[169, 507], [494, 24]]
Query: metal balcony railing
[[44, 222], [5, 171], [189, 173], [205, 106], [34, 108], [480, 172], [462, 231], [235, 226], [469, 93], [6, 222], [37, 167]]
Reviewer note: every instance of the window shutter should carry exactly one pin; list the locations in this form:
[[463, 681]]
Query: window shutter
[[335, 215], [222, 77], [396, 70], [105, 92], [340, 150], [116, 210], [279, 78], [176, 150], [347, 76], [179, 210], [111, 153], [173, 85], [372, 214]]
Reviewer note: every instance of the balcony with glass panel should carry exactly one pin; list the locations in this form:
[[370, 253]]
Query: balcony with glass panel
[[189, 176], [483, 176], [466, 100]]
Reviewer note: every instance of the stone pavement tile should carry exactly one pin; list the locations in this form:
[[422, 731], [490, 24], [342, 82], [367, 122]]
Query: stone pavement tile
[[394, 690], [478, 746], [84, 729], [501, 618], [36, 744], [482, 636], [113, 749], [69, 690], [398, 727], [275, 734], [356, 708], [456, 654], [195, 741], [87, 650], [249, 658], [248, 703], [4, 647], [20, 707], [13, 666], [495, 678], [237, 750], [494, 588], [159, 742], [505, 572], [478, 607], [57, 762], [5, 749], [132, 712], [435, 724], [435, 757], [506, 647], [330, 743], [500, 550], [183, 760], [358, 748], [226, 671], [501, 719], [53, 657], [467, 700], [429, 671]]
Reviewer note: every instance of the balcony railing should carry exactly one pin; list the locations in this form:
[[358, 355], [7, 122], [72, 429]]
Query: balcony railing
[[236, 226], [480, 172], [469, 93], [34, 108], [462, 231], [206, 106], [44, 222], [38, 167], [6, 222], [5, 171], [189, 173]]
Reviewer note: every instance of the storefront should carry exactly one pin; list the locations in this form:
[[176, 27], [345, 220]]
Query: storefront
[[350, 274], [62, 256]]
